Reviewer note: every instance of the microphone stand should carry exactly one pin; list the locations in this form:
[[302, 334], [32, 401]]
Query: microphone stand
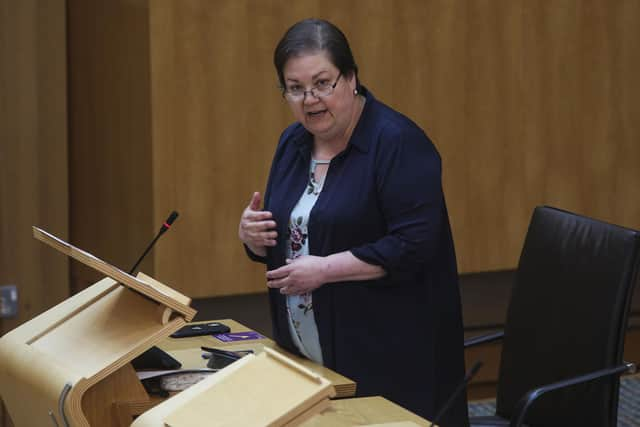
[[167, 224], [463, 384]]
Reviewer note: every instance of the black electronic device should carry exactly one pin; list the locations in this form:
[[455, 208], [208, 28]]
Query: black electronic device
[[194, 330], [155, 359]]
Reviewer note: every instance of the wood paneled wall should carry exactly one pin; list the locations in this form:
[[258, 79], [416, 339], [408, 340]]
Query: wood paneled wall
[[528, 103], [33, 154], [109, 134]]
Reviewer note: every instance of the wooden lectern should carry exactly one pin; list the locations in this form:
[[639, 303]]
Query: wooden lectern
[[70, 365]]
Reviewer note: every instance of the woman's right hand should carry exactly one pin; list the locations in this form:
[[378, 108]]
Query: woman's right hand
[[257, 228]]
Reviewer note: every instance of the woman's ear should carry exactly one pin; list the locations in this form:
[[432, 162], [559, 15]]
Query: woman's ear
[[352, 80]]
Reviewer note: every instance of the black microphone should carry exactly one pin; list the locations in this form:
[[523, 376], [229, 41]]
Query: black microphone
[[470, 374], [165, 227], [155, 358]]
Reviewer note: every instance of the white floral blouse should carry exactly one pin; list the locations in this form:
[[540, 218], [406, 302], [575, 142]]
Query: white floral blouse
[[302, 323]]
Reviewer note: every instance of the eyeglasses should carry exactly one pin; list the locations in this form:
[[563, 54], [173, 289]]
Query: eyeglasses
[[319, 90]]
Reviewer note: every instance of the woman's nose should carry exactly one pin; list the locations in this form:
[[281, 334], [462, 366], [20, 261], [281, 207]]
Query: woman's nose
[[310, 98]]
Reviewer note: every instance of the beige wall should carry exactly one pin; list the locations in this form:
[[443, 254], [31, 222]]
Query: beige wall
[[528, 103], [33, 153]]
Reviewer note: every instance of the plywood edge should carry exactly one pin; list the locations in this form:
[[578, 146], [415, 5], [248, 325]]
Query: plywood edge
[[308, 414], [291, 364], [157, 294], [183, 299], [101, 403], [138, 349], [343, 386], [74, 402]]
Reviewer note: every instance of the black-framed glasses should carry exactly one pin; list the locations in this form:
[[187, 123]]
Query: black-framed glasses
[[319, 90]]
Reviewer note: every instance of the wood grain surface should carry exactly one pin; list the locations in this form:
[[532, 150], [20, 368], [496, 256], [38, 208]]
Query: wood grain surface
[[528, 103]]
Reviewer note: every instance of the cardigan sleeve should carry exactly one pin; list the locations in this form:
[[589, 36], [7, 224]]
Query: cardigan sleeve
[[408, 182], [254, 257]]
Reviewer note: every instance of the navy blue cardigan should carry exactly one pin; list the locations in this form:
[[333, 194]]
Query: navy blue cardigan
[[400, 336]]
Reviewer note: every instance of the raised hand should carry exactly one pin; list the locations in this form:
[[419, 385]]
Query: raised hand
[[257, 228]]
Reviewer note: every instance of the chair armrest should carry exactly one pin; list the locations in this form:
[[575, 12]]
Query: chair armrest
[[527, 400], [483, 339]]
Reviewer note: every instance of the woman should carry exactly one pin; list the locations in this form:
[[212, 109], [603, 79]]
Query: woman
[[355, 234]]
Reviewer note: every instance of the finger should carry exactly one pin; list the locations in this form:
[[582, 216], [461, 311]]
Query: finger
[[250, 215], [288, 290], [277, 283], [259, 239], [269, 235], [254, 204], [278, 273], [259, 227]]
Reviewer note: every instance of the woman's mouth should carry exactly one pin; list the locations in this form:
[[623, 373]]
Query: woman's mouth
[[315, 114]]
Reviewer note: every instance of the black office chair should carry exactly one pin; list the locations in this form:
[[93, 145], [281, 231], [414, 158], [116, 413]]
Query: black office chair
[[564, 333]]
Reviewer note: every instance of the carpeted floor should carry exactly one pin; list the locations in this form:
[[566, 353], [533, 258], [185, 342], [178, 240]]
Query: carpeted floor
[[628, 406]]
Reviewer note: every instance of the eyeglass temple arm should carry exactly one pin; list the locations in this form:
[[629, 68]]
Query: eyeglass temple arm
[[527, 400]]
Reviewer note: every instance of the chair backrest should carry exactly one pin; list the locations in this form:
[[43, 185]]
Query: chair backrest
[[567, 316]]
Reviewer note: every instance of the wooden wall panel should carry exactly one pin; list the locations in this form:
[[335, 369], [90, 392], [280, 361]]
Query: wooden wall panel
[[215, 105], [528, 103], [524, 100], [33, 154], [109, 134]]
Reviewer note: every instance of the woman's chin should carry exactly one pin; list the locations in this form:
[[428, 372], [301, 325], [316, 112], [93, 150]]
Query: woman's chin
[[318, 127]]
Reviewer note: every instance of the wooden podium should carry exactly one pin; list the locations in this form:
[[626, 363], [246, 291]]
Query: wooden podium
[[70, 365]]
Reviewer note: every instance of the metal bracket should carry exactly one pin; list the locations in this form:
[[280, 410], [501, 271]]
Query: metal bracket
[[63, 395]]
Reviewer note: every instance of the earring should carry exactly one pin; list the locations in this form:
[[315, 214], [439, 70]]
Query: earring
[[355, 92]]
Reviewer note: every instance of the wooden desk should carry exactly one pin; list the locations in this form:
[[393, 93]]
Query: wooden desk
[[187, 351], [365, 411]]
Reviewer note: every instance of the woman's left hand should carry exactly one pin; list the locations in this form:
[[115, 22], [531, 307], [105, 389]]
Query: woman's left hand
[[299, 276]]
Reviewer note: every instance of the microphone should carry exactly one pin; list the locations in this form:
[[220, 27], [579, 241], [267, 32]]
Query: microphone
[[163, 229], [470, 374], [155, 358]]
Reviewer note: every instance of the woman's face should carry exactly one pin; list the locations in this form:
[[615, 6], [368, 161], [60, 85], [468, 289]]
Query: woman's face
[[328, 118]]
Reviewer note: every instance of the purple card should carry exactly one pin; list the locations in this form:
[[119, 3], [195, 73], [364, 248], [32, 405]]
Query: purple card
[[239, 336]]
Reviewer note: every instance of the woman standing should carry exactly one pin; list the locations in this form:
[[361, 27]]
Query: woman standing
[[355, 234]]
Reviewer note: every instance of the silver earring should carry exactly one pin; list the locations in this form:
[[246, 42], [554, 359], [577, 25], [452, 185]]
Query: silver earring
[[355, 92]]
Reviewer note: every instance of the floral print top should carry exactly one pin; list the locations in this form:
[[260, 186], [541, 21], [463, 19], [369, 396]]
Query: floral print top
[[302, 324]]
